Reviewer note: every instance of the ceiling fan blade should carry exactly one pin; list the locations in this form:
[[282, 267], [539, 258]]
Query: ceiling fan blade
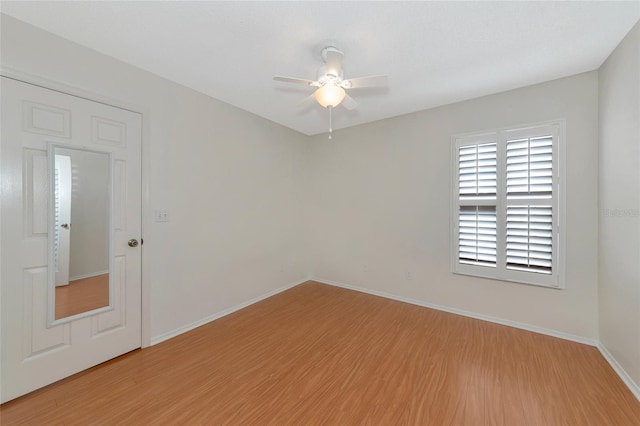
[[295, 80], [309, 100], [371, 81], [333, 61], [349, 103]]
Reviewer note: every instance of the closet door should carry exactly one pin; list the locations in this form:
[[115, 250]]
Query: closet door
[[50, 332]]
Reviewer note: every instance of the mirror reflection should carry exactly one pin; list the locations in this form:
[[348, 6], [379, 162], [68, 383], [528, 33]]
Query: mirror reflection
[[81, 220]]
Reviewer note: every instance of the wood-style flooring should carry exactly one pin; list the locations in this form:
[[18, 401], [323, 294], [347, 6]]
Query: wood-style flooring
[[318, 354], [82, 295]]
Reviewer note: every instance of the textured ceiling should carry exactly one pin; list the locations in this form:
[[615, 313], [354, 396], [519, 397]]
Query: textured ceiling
[[433, 52]]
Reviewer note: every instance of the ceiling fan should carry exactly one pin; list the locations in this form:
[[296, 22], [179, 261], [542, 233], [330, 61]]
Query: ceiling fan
[[331, 85]]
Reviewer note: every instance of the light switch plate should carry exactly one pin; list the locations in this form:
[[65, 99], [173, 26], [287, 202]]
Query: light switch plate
[[162, 216]]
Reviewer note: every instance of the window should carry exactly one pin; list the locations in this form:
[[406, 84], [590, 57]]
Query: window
[[506, 210]]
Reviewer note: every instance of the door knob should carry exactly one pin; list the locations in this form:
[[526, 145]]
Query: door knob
[[133, 242], [65, 225]]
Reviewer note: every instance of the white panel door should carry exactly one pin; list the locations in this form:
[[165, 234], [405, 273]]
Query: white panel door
[[34, 355]]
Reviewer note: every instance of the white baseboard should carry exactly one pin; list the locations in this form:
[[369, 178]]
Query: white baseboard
[[89, 275], [515, 324], [173, 333], [633, 386]]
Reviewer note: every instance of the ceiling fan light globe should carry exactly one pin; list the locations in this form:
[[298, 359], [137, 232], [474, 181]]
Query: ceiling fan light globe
[[329, 95]]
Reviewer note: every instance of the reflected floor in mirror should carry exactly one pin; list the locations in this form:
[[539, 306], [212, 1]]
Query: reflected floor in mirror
[[82, 295]]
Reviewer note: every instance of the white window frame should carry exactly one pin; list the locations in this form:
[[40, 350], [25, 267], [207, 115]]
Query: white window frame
[[556, 128]]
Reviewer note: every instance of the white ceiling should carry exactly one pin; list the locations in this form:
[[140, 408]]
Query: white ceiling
[[434, 53]]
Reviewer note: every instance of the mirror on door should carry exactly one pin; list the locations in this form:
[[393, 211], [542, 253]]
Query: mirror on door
[[80, 233]]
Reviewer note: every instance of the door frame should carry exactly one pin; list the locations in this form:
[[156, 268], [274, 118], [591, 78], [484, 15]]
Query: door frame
[[58, 86]]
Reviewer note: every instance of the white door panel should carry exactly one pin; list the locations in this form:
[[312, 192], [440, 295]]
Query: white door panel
[[34, 355]]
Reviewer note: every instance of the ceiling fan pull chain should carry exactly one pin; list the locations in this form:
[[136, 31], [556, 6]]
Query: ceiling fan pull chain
[[330, 129]]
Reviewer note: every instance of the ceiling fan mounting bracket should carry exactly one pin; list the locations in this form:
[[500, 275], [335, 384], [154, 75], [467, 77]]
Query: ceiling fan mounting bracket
[[324, 77], [324, 51]]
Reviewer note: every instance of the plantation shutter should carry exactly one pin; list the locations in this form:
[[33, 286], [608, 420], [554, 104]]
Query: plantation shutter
[[505, 205], [529, 238], [477, 223], [529, 226], [477, 235], [477, 171], [529, 168]]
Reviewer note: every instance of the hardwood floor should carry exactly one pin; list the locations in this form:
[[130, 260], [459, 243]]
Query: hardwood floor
[[317, 354], [82, 295]]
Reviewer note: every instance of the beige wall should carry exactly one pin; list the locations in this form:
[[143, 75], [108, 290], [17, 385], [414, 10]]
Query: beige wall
[[251, 201], [379, 206], [619, 192], [229, 179]]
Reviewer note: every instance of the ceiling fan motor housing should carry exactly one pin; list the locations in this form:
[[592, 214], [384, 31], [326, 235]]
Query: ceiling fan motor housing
[[332, 57], [323, 77]]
